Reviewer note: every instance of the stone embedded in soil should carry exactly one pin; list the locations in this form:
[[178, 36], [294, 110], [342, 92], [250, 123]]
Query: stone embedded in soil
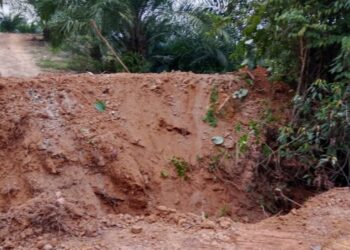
[[48, 247], [225, 223], [41, 244], [136, 229], [294, 211], [182, 222], [151, 219], [164, 209], [208, 224]]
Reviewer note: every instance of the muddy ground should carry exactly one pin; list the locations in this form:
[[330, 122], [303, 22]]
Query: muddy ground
[[74, 175]]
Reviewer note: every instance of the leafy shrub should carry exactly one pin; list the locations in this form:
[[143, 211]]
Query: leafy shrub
[[320, 140], [181, 166], [301, 42], [135, 62], [210, 116], [17, 23], [9, 23]]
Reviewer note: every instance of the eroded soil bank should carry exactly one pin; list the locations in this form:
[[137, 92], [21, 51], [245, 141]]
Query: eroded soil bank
[[73, 177]]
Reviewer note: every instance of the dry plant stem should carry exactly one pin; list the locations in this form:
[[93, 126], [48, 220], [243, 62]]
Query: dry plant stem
[[222, 106], [268, 159], [287, 198], [99, 34], [250, 74]]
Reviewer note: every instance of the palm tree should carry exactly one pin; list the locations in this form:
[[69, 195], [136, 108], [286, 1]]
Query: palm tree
[[186, 37]]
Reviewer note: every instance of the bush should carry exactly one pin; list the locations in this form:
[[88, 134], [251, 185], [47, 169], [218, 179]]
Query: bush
[[17, 23], [320, 140], [302, 42], [135, 62]]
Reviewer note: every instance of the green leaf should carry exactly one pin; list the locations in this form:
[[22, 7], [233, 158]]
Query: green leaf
[[267, 151], [100, 106]]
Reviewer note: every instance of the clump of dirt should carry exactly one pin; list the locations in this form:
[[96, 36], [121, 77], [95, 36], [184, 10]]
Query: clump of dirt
[[66, 163]]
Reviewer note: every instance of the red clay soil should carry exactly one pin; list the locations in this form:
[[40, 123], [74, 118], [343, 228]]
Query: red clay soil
[[72, 177]]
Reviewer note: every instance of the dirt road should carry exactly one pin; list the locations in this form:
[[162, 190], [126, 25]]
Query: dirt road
[[15, 56]]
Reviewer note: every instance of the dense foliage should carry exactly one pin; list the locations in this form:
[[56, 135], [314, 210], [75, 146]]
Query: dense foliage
[[307, 43], [149, 35], [16, 23]]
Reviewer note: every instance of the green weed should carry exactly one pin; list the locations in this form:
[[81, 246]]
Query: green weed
[[243, 143], [214, 95], [210, 116], [164, 174], [51, 64], [181, 166], [224, 211], [238, 127]]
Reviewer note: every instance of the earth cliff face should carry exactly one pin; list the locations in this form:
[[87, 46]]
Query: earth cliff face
[[87, 162]]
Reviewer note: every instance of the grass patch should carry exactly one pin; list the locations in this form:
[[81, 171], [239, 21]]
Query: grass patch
[[164, 174], [51, 64], [214, 95], [224, 211], [181, 166], [210, 116]]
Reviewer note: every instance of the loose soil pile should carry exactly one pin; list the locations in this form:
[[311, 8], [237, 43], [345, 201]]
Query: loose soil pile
[[73, 177]]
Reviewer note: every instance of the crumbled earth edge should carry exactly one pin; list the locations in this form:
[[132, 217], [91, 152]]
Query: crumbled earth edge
[[74, 177]]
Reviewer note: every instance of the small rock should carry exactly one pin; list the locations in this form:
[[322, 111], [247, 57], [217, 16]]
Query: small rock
[[229, 143], [61, 201], [182, 222], [225, 223], [172, 210], [136, 229], [208, 224], [41, 244], [162, 208], [47, 247], [154, 87], [223, 237], [166, 210], [151, 219]]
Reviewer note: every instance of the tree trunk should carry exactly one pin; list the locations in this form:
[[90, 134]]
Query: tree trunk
[[109, 46]]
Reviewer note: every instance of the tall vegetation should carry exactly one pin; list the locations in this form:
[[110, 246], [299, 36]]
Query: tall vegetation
[[150, 35], [15, 21], [307, 43]]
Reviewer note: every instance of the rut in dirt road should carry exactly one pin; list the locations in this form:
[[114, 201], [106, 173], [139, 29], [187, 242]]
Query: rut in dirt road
[[15, 56]]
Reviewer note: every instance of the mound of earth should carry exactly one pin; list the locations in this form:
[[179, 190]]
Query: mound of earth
[[125, 161]]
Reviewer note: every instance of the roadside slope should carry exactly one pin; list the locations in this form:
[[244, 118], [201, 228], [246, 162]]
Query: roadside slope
[[73, 176]]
